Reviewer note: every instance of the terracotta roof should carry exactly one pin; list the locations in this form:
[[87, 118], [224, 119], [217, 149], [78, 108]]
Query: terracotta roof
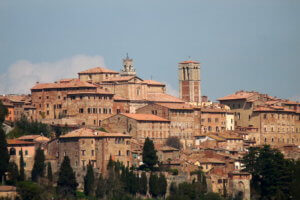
[[165, 148], [271, 109], [189, 61], [86, 132], [98, 91], [119, 98], [216, 137], [145, 117], [238, 95], [176, 106], [163, 98], [68, 80], [33, 137], [211, 160], [213, 110], [98, 70], [71, 84], [152, 82], [7, 188], [119, 79], [18, 142]]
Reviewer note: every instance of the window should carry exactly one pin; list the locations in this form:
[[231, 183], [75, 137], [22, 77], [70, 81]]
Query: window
[[93, 152], [82, 152], [58, 97], [209, 119], [217, 120], [128, 153], [118, 111], [47, 105], [265, 116], [119, 153], [26, 152], [81, 110], [12, 151]]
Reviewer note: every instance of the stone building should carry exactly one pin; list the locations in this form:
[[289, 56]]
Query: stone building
[[276, 121], [139, 126], [15, 147], [87, 145], [213, 120], [181, 116], [189, 81]]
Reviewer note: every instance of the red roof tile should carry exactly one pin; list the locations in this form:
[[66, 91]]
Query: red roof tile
[[176, 106], [98, 70], [152, 82], [72, 84], [145, 117], [18, 142], [237, 95], [86, 132], [163, 98]]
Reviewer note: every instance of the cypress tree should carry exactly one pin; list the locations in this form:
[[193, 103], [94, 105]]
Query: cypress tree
[[66, 184], [39, 165], [89, 181], [143, 185], [162, 185], [4, 158], [22, 166], [153, 185], [13, 173], [173, 189], [150, 158], [49, 172], [3, 112], [101, 187]]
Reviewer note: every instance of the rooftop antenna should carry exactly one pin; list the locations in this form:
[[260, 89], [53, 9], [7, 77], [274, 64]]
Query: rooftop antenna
[[127, 56], [151, 77]]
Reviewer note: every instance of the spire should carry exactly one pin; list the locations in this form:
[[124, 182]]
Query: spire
[[128, 69]]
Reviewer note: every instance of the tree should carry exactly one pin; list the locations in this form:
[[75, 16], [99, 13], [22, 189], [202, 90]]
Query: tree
[[49, 172], [3, 112], [263, 163], [4, 158], [101, 187], [29, 190], [89, 181], [153, 185], [22, 166], [174, 142], [13, 173], [143, 184], [173, 188], [39, 165], [150, 158], [66, 184], [162, 185]]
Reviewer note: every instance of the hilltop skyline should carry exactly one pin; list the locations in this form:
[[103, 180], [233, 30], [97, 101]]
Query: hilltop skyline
[[250, 45]]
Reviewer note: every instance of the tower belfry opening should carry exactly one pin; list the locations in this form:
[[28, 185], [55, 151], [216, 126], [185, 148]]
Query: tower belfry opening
[[189, 81], [128, 69]]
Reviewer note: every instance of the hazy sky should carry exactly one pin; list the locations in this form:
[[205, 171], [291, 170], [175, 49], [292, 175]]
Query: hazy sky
[[241, 44]]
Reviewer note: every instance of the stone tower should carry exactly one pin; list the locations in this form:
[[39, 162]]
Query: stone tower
[[189, 81], [128, 69]]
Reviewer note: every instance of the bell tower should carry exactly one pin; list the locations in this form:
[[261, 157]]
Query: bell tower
[[189, 81], [128, 69]]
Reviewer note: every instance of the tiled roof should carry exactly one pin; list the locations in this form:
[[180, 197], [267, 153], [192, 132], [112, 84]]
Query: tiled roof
[[211, 160], [176, 106], [119, 98], [215, 137], [163, 98], [189, 61], [213, 110], [237, 95], [98, 70], [7, 188], [165, 148], [72, 84], [271, 109], [145, 117], [98, 91], [18, 142], [119, 79], [152, 82], [33, 137], [86, 132]]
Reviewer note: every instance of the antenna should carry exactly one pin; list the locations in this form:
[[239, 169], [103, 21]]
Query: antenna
[[127, 56]]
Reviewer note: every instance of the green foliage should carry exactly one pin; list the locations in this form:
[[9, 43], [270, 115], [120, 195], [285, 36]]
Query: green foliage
[[201, 184], [29, 190], [101, 187], [22, 166], [143, 184], [150, 158], [59, 130], [295, 184], [3, 112], [66, 184], [49, 172], [89, 181], [25, 127], [39, 165], [271, 173], [153, 185], [4, 158], [13, 173], [162, 185], [102, 129], [174, 142]]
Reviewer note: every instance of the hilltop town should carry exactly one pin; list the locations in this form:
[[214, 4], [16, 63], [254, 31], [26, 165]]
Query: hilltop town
[[104, 114]]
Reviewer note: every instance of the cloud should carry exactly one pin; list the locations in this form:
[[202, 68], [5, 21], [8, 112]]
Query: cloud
[[23, 74], [170, 90]]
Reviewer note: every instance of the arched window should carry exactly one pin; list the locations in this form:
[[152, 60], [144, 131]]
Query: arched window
[[12, 151]]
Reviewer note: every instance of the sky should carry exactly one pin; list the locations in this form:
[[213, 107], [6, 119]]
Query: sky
[[241, 44]]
